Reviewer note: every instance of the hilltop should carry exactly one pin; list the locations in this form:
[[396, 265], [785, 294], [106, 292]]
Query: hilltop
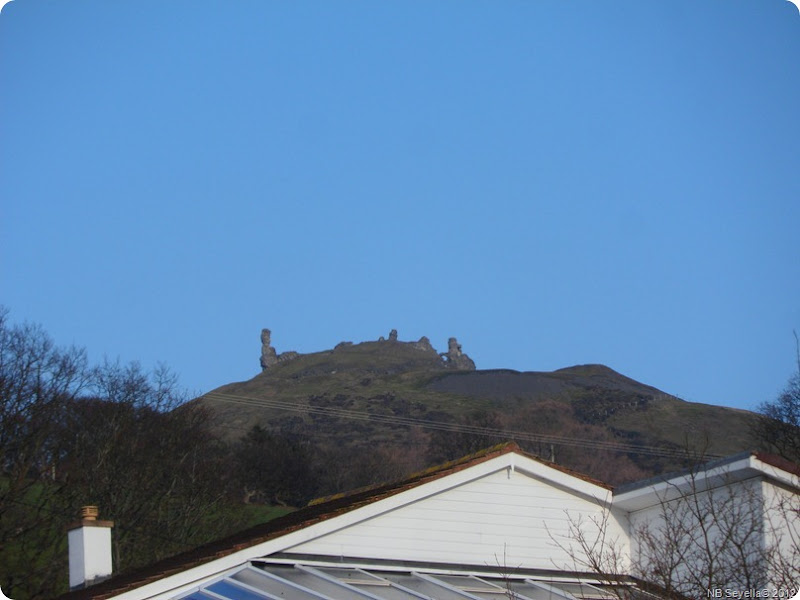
[[388, 397]]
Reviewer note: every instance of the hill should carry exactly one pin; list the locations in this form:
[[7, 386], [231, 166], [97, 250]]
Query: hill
[[389, 398]]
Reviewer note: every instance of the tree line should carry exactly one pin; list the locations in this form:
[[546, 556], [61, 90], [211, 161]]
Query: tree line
[[113, 435], [130, 441]]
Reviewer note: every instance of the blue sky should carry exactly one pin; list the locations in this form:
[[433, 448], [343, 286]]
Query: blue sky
[[552, 182]]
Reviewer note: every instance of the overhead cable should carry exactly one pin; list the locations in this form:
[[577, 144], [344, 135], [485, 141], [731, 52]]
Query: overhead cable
[[451, 427]]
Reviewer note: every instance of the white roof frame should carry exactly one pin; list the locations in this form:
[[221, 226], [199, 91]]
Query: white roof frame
[[716, 474]]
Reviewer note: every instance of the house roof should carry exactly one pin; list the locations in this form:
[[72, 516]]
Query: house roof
[[268, 540], [744, 458], [317, 511], [720, 472], [778, 462]]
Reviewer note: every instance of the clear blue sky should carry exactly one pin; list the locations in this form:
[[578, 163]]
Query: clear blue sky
[[552, 182]]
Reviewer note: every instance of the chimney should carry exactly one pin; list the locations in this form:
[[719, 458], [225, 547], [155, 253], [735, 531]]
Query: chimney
[[89, 549]]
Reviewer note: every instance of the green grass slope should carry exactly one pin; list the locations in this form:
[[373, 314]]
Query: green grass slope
[[357, 394]]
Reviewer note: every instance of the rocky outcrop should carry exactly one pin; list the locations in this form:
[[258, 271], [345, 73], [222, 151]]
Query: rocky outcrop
[[268, 355], [455, 358], [289, 355], [423, 344]]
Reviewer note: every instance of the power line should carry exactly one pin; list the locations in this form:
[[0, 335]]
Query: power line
[[451, 427]]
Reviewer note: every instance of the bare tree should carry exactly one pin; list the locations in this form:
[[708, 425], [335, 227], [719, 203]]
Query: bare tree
[[778, 426], [483, 427], [146, 458], [37, 380], [117, 436], [273, 469], [703, 539], [593, 549], [700, 535], [782, 551]]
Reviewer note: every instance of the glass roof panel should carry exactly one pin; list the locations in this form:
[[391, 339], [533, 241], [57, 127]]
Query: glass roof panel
[[235, 592], [264, 581], [514, 589], [532, 591], [391, 592], [316, 583], [252, 577], [475, 586], [368, 582], [465, 581], [273, 585], [584, 590], [425, 587], [349, 575]]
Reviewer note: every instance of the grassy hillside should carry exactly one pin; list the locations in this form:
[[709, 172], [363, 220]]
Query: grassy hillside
[[360, 396]]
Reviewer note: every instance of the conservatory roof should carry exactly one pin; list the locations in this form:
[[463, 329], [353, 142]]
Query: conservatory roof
[[309, 580]]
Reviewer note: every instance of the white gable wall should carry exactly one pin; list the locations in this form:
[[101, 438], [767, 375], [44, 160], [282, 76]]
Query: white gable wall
[[781, 534], [738, 522], [508, 518], [471, 516], [718, 534]]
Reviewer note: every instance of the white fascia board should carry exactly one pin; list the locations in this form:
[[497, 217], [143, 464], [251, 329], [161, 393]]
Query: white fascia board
[[178, 585], [687, 483], [746, 467], [775, 473], [558, 478]]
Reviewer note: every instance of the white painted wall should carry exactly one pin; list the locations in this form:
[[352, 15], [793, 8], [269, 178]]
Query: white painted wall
[[704, 539], [89, 554], [782, 535], [505, 518]]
